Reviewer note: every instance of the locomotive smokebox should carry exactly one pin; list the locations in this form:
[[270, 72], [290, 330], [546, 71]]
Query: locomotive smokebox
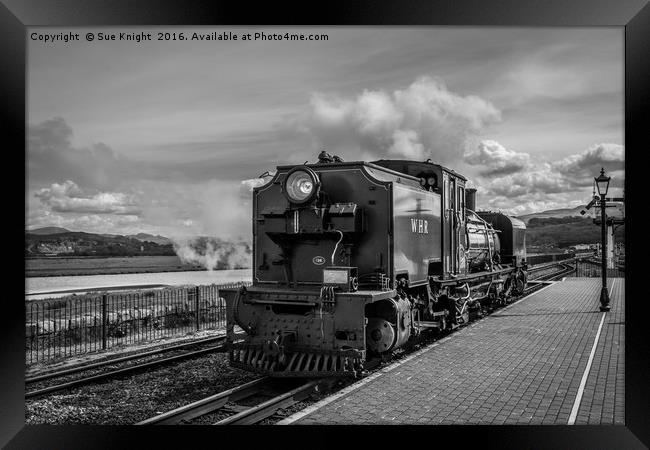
[[470, 199]]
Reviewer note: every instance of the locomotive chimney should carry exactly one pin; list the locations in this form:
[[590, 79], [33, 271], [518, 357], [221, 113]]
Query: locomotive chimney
[[470, 199]]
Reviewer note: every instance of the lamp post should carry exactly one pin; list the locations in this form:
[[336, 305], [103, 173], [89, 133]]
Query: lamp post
[[602, 183]]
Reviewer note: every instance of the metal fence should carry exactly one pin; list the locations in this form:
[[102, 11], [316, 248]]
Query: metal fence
[[74, 325], [541, 259], [591, 268]]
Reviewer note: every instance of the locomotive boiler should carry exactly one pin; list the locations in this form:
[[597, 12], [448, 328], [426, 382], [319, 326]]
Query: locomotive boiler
[[352, 260]]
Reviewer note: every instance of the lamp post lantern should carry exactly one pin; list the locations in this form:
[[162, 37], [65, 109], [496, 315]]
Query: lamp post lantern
[[602, 183]]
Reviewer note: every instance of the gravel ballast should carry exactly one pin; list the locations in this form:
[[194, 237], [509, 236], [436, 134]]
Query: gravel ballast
[[133, 398]]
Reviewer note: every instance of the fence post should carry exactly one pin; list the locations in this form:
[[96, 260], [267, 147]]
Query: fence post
[[104, 319], [196, 305]]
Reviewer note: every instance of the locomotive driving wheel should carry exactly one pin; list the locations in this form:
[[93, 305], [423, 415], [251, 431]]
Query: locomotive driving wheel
[[380, 335]]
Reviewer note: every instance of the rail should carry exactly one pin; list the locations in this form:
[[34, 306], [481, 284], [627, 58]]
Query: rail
[[118, 372], [206, 405], [46, 375], [290, 392]]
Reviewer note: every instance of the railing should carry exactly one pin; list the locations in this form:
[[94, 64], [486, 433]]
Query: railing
[[540, 259], [588, 267], [74, 325]]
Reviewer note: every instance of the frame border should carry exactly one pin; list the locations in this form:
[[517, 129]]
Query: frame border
[[634, 15]]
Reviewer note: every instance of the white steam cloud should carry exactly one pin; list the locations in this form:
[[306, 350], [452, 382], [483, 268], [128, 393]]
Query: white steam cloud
[[213, 253], [224, 210], [424, 120]]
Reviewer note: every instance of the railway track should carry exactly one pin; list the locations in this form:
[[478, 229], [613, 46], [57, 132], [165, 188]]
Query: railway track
[[133, 368], [285, 397], [565, 268], [291, 391], [247, 404]]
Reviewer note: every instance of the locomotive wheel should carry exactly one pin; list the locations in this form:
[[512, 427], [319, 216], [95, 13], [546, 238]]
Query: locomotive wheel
[[380, 335]]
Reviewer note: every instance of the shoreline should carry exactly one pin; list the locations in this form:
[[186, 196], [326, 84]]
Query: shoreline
[[116, 271], [116, 265], [122, 271]]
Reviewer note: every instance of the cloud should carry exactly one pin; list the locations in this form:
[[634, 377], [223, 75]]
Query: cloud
[[540, 179], [515, 183], [424, 120], [52, 157], [106, 192], [218, 208], [582, 167], [69, 198], [495, 159]]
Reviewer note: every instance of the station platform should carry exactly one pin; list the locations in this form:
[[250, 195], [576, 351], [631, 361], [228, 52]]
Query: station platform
[[551, 358]]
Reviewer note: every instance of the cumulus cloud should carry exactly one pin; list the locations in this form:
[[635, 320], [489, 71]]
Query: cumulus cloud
[[424, 120], [515, 183], [580, 168], [68, 197], [106, 192], [217, 208], [51, 157], [542, 179], [495, 159]]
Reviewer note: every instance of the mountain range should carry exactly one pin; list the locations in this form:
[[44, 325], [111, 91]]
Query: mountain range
[[56, 241], [563, 212], [143, 237]]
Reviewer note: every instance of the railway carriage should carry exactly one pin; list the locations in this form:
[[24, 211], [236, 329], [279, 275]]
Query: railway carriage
[[352, 260]]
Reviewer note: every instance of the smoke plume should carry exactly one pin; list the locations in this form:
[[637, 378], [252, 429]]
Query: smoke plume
[[213, 253]]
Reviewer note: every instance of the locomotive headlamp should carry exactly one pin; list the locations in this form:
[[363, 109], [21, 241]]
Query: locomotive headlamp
[[301, 185]]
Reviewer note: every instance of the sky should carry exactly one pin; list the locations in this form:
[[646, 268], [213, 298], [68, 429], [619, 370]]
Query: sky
[[169, 137]]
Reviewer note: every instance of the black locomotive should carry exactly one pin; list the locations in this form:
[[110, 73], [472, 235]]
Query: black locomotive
[[352, 260]]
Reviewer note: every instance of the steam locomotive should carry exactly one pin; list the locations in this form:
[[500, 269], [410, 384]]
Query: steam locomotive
[[352, 260]]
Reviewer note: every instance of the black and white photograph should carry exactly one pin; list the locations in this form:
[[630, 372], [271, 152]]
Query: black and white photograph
[[325, 225], [326, 220]]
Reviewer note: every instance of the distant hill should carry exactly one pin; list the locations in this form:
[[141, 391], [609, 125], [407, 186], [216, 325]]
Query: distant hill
[[562, 232], [48, 230], [78, 243], [205, 251], [564, 212], [158, 239]]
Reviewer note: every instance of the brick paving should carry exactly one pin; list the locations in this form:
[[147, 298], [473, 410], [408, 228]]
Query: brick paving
[[602, 402], [521, 365]]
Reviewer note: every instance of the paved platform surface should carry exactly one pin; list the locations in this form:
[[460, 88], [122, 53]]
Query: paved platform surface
[[551, 358]]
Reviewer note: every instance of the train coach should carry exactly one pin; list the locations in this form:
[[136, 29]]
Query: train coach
[[352, 260]]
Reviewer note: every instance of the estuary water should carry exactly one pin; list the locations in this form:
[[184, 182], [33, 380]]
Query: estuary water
[[47, 287]]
